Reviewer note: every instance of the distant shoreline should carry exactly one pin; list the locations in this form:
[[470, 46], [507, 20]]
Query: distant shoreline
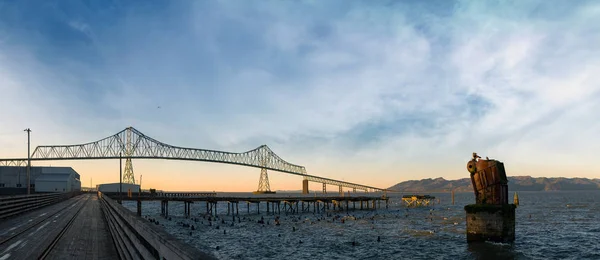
[[515, 183], [509, 191]]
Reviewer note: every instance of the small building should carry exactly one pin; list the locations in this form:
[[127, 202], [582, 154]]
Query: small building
[[13, 180], [114, 187]]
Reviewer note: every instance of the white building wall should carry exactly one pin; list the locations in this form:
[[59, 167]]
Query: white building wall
[[10, 177], [51, 186], [75, 184]]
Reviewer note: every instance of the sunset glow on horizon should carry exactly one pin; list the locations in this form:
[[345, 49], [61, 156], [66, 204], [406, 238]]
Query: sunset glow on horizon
[[359, 91]]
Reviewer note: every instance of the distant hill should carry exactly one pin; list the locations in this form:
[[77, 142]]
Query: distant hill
[[515, 183]]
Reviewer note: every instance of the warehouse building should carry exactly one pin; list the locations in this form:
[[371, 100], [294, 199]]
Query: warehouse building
[[13, 180]]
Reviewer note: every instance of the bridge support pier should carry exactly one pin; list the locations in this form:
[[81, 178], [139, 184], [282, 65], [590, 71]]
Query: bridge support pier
[[304, 186], [324, 188], [341, 190], [263, 183]]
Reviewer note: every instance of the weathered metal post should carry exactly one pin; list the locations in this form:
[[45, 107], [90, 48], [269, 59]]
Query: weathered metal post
[[139, 207], [491, 218], [166, 208]]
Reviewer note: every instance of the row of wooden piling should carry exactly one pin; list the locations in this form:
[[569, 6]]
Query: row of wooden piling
[[277, 206]]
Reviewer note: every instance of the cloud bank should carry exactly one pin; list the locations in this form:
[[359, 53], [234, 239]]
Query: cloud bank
[[351, 89]]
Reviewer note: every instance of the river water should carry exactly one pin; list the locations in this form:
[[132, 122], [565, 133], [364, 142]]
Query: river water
[[550, 225]]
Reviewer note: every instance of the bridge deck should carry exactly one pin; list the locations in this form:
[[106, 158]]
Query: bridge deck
[[248, 199]]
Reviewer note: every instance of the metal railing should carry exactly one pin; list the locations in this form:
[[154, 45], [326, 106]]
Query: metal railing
[[14, 205]]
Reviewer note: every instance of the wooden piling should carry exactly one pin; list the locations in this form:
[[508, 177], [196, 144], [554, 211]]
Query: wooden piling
[[139, 208]]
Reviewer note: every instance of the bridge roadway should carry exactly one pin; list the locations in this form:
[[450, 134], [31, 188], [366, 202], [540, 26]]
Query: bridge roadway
[[71, 229]]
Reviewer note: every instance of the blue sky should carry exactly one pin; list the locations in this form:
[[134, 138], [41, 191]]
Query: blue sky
[[367, 91]]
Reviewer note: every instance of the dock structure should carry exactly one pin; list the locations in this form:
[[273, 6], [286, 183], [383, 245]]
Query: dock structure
[[418, 200], [291, 204]]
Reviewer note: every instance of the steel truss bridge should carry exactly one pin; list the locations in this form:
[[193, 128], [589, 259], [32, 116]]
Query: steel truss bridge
[[132, 144]]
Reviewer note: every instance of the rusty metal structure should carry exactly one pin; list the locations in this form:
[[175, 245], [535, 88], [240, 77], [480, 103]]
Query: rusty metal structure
[[489, 180]]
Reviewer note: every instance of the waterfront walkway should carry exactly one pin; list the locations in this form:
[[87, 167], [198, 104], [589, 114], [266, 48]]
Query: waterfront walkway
[[71, 229], [94, 226]]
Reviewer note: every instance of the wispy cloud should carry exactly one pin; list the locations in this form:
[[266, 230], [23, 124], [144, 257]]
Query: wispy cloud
[[406, 88]]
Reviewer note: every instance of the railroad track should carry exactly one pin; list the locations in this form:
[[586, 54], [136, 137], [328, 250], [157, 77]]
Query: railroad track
[[37, 223], [63, 231]]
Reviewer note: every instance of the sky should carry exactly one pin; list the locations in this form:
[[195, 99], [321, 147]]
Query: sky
[[370, 92]]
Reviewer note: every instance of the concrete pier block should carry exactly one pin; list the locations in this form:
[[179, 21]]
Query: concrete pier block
[[488, 222]]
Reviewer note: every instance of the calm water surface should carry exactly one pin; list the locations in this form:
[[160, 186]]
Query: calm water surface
[[550, 225]]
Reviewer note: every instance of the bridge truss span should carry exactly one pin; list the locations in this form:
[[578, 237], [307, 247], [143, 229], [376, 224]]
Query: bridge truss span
[[345, 184], [133, 144]]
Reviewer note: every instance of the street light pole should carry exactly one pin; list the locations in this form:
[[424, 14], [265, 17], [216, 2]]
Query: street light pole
[[28, 159], [120, 176]]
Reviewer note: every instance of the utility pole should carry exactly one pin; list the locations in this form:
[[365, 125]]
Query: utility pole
[[140, 190], [120, 176], [28, 159]]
